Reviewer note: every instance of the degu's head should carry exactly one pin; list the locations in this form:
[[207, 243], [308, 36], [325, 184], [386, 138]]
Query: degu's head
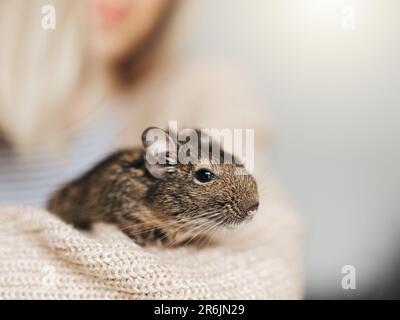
[[198, 182]]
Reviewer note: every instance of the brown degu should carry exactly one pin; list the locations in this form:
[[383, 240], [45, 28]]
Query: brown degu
[[157, 198]]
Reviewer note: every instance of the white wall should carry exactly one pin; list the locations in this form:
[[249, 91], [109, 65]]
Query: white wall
[[334, 95]]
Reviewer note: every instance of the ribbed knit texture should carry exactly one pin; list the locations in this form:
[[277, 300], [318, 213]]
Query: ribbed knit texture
[[43, 258]]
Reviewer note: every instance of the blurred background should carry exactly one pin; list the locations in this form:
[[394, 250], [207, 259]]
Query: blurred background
[[327, 73]]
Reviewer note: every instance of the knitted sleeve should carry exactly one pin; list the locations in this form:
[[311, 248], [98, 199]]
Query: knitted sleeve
[[43, 258]]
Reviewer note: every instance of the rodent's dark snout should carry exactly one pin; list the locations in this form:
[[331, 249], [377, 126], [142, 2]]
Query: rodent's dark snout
[[252, 209]]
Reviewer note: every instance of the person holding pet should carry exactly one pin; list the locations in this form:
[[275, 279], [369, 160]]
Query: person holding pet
[[71, 96]]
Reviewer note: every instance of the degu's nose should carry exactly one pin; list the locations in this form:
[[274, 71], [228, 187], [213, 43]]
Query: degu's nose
[[252, 208]]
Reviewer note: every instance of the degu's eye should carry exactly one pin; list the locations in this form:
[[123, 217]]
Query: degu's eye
[[204, 175]]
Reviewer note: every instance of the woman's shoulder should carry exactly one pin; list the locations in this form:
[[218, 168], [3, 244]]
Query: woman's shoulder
[[205, 74], [203, 93], [211, 93], [203, 82]]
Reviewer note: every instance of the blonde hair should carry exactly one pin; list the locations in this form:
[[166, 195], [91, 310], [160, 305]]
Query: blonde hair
[[43, 72]]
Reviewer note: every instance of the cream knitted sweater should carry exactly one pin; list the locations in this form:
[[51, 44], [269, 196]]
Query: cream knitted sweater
[[44, 258]]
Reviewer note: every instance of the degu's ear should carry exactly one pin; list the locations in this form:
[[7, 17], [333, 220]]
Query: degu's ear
[[160, 152]]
